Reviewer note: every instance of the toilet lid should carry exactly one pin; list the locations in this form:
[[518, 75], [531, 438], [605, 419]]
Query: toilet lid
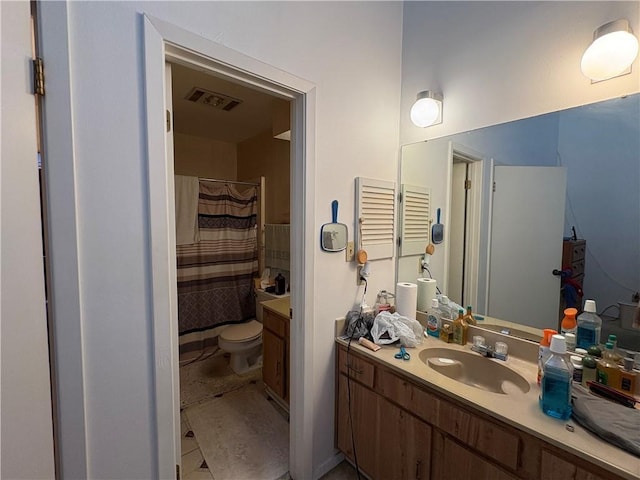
[[242, 332]]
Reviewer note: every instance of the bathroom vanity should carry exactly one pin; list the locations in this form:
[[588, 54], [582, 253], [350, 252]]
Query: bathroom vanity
[[410, 421], [275, 344]]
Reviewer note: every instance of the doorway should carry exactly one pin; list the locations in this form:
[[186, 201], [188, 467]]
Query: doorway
[[464, 242], [165, 42], [231, 142]]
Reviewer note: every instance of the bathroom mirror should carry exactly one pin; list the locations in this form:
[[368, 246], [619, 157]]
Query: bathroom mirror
[[598, 145]]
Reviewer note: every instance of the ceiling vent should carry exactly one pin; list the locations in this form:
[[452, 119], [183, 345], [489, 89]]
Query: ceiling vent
[[212, 99]]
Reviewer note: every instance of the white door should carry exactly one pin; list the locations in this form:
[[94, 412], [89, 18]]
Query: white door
[[26, 416], [526, 244]]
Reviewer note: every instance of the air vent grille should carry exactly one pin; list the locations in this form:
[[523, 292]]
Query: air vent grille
[[212, 99]]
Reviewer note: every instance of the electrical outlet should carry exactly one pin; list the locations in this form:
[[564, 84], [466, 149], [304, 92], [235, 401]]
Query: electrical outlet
[[359, 280], [349, 252]]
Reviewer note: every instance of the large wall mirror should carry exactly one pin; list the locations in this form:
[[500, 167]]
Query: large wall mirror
[[510, 194]]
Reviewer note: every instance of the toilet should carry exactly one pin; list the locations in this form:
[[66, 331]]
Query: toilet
[[243, 341]]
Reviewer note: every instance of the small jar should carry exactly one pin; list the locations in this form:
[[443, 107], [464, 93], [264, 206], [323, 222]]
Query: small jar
[[578, 368], [571, 341]]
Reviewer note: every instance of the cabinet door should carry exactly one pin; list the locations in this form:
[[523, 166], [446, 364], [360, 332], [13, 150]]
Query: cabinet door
[[272, 362], [556, 468], [404, 444], [455, 462], [360, 405]]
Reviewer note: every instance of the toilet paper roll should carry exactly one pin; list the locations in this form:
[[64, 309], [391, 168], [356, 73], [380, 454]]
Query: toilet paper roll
[[426, 292], [406, 299]]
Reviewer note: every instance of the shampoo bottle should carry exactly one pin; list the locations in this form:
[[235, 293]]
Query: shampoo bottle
[[434, 319], [608, 372], [460, 328], [555, 398], [589, 326]]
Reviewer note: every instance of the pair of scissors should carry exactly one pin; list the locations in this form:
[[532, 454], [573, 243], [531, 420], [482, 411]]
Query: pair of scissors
[[402, 354]]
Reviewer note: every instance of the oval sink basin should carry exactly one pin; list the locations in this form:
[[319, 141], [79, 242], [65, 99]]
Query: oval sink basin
[[474, 370]]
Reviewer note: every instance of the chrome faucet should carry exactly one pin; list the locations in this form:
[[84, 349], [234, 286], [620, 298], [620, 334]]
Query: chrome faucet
[[489, 351]]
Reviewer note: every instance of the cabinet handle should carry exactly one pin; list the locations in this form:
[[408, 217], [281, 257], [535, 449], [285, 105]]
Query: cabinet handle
[[418, 469], [354, 369]]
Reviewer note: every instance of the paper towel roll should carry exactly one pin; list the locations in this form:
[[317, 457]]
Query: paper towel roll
[[426, 292], [406, 299]]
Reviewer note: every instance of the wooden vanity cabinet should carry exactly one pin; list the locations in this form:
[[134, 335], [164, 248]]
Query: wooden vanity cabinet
[[405, 430], [275, 355]]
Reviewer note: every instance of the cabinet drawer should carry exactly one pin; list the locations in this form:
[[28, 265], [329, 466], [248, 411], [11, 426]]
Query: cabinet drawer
[[577, 268], [417, 401], [483, 435], [356, 367], [462, 464], [579, 251], [275, 323]]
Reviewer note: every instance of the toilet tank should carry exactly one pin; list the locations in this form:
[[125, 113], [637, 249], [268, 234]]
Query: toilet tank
[[262, 296]]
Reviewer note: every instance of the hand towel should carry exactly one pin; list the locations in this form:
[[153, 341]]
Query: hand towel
[[187, 191]]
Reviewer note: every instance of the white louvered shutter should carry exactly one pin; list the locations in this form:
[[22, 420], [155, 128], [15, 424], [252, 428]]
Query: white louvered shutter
[[415, 213], [375, 207]]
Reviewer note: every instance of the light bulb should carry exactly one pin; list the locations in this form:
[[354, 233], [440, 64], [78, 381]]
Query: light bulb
[[425, 112], [611, 53]]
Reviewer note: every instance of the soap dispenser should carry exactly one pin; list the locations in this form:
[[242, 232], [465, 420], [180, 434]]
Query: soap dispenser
[[281, 284]]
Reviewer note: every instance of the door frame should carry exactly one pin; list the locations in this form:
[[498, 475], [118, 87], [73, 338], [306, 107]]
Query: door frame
[[476, 162], [166, 42]]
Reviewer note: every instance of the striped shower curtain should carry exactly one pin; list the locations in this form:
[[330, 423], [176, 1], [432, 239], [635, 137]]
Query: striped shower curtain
[[215, 275]]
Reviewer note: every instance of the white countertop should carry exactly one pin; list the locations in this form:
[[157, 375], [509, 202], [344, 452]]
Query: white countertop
[[521, 410]]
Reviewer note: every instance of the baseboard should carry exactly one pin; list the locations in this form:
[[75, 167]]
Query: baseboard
[[328, 465]]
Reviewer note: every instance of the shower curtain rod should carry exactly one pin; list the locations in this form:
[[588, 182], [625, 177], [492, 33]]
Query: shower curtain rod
[[229, 181]]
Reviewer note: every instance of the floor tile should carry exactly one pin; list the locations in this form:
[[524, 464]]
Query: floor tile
[[191, 461]]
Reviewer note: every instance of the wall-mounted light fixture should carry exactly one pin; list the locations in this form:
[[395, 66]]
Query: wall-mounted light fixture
[[427, 110], [613, 50]]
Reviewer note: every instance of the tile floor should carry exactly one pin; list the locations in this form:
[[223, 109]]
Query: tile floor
[[206, 381]]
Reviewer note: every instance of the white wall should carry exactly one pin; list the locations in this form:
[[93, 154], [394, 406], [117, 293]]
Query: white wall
[[351, 51], [25, 395], [501, 61]]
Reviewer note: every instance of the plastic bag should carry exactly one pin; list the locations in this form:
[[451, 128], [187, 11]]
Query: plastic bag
[[396, 327]]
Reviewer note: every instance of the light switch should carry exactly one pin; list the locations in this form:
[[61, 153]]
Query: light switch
[[349, 252]]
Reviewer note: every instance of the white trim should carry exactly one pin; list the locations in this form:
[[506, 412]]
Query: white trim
[[489, 226], [476, 163], [65, 259], [165, 41]]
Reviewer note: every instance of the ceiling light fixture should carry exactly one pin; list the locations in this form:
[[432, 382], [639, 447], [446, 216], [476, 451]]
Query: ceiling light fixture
[[613, 50], [427, 110]]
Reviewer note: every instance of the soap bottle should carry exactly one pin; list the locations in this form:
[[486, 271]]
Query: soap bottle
[[460, 328], [628, 378], [589, 370], [446, 309], [469, 318], [434, 321], [555, 397], [569, 323], [608, 372], [616, 354], [543, 350], [589, 326]]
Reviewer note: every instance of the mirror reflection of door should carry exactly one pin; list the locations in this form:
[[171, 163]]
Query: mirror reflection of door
[[527, 230]]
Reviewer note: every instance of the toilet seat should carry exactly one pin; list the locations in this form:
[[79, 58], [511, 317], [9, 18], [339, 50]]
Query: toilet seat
[[242, 332]]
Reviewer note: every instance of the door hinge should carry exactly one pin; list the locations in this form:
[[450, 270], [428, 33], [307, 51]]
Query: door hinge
[[494, 187], [467, 184], [168, 121], [38, 76], [177, 472], [400, 197]]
